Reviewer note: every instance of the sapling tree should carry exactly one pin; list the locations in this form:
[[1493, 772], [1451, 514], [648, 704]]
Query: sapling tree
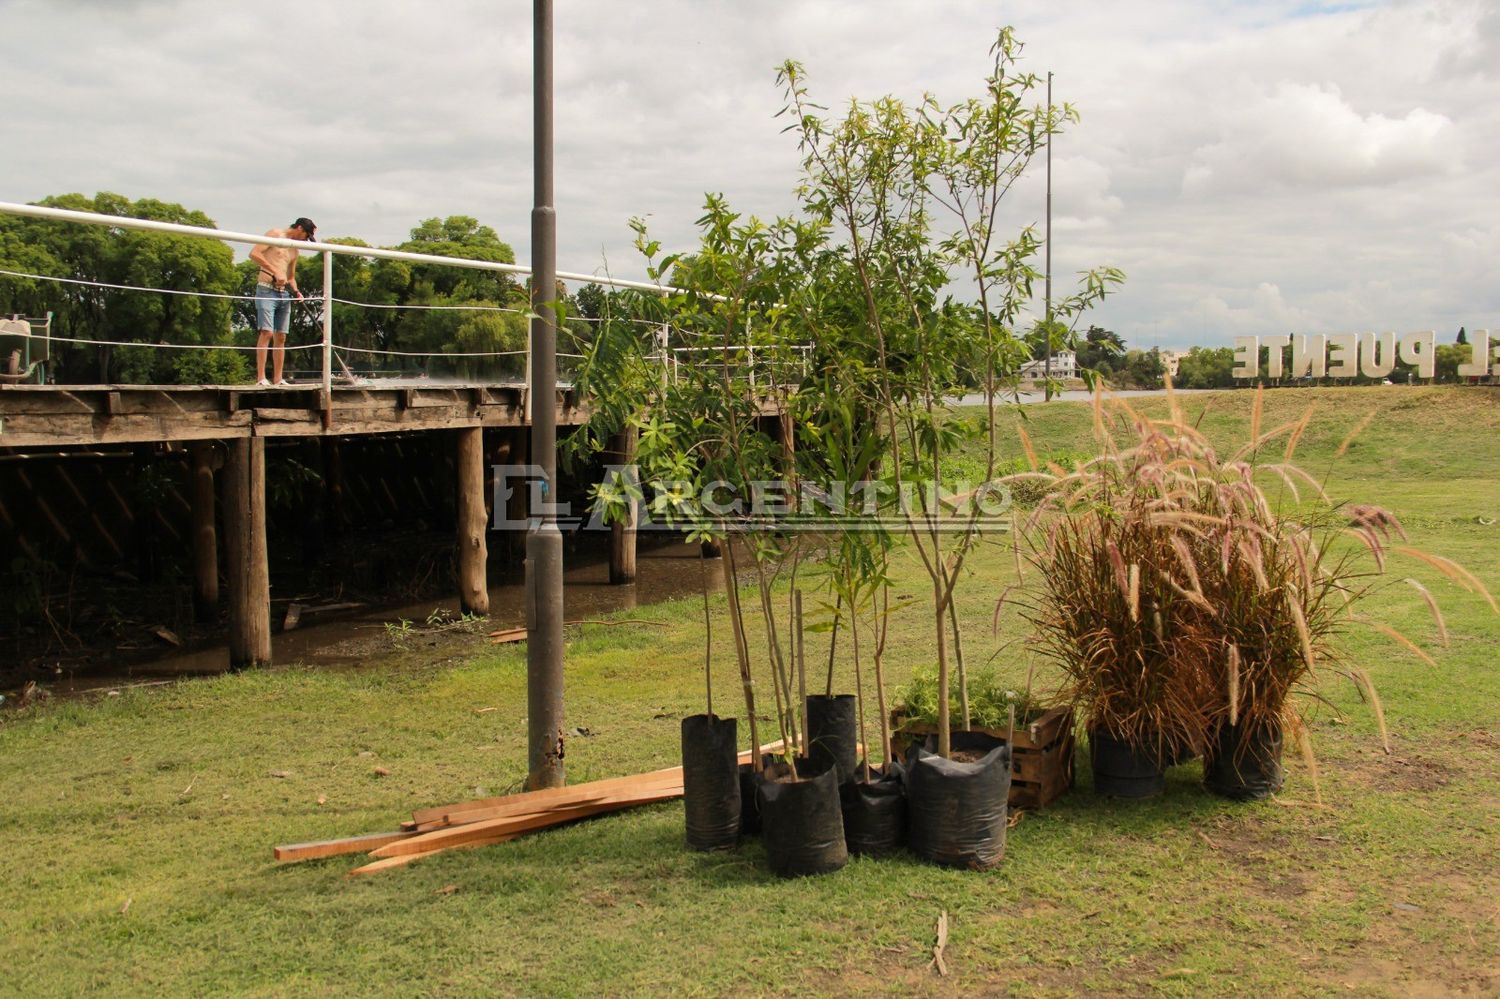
[[913, 194], [702, 447]]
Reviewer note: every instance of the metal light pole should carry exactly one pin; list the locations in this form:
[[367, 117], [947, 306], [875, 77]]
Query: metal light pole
[[1047, 329], [544, 576]]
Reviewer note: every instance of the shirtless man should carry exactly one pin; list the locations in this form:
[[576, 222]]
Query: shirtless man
[[274, 289]]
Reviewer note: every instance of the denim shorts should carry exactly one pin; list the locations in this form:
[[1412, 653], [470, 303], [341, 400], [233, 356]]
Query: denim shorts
[[273, 308]]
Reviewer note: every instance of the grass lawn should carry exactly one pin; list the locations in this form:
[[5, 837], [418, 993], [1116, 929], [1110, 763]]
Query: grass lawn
[[138, 828]]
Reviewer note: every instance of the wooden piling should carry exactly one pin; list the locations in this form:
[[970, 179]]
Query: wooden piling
[[249, 572], [205, 534], [623, 535], [473, 590], [511, 449], [312, 502]]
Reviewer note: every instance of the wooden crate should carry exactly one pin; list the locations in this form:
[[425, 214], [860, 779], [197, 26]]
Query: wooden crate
[[1041, 759]]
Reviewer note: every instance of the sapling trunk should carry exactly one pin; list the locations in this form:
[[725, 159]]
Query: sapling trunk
[[741, 652], [885, 716], [945, 739], [833, 641], [781, 674], [859, 685], [958, 654], [801, 639], [708, 635]]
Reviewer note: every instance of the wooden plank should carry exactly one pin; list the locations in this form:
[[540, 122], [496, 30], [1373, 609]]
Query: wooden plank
[[554, 797], [335, 847], [549, 796], [465, 811], [26, 430], [270, 415], [516, 810], [387, 863], [474, 831]]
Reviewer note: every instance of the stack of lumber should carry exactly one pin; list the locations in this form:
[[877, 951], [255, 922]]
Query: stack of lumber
[[495, 820]]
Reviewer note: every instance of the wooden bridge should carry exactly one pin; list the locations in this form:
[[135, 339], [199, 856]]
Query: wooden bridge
[[225, 430]]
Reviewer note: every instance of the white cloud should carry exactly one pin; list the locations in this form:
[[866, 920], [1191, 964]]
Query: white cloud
[[1308, 136], [1251, 167]]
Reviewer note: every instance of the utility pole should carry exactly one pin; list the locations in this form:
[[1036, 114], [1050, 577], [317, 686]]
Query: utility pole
[[1047, 328], [544, 576]]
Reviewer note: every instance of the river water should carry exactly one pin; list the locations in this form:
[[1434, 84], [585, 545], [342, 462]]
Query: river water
[[665, 569]]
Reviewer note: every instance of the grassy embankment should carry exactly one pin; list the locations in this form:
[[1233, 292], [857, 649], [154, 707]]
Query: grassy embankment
[[138, 828]]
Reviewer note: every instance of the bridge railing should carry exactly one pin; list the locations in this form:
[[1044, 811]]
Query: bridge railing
[[762, 366], [326, 365]]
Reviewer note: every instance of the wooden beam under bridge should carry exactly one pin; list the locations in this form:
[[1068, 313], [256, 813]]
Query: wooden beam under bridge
[[59, 415]]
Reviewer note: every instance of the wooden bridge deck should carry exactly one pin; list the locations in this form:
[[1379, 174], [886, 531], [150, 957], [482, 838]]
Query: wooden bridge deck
[[56, 415]]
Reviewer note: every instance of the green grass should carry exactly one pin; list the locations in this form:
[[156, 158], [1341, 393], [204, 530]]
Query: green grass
[[138, 828]]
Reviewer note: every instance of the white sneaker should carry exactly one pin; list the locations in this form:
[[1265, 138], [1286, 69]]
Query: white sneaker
[[264, 383], [283, 382]]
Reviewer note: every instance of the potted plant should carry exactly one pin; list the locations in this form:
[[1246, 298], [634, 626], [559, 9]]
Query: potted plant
[[1041, 736], [1186, 603]]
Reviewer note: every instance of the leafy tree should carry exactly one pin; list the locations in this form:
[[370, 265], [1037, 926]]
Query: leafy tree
[[93, 253], [1463, 337], [1142, 369], [446, 303], [1447, 358], [1100, 349], [1206, 367]]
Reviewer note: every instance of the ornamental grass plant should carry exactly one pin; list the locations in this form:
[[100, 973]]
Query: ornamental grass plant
[[1181, 590]]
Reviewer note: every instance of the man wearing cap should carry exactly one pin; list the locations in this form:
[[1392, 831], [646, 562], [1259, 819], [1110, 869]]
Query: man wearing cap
[[274, 289]]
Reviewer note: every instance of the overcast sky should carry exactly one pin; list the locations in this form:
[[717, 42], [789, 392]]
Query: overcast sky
[[1253, 167]]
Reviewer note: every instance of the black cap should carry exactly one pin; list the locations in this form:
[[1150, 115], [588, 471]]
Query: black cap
[[306, 225]]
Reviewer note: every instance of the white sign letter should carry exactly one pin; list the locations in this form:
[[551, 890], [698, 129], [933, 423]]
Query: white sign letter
[[1274, 345], [1417, 348], [1309, 357], [1342, 355], [1246, 356], [1377, 354], [1479, 356]]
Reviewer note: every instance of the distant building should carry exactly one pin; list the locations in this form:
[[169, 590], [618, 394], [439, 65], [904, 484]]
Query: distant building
[[1170, 359], [1064, 366]]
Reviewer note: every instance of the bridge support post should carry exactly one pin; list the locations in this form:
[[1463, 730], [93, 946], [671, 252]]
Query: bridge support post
[[510, 450], [245, 545], [205, 534], [473, 587], [623, 535]]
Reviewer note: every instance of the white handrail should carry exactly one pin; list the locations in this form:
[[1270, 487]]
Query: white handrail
[[326, 249], [373, 252]]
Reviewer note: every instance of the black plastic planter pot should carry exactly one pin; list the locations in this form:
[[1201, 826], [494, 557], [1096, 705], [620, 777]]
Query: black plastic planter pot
[[710, 782], [1123, 771], [1244, 762], [801, 823], [875, 811], [832, 734], [749, 802], [955, 810]]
